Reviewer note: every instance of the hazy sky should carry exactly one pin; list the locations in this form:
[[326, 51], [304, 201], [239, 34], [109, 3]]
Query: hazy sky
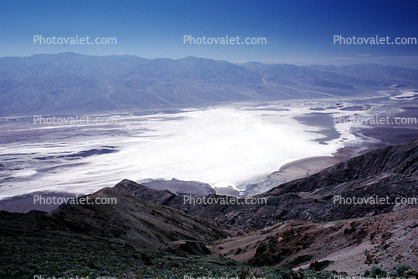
[[297, 31]]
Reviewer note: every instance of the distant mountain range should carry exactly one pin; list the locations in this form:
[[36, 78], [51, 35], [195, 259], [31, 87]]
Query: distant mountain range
[[300, 226], [70, 83]]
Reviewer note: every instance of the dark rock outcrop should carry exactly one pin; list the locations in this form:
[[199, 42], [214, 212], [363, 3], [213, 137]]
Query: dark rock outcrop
[[194, 188]]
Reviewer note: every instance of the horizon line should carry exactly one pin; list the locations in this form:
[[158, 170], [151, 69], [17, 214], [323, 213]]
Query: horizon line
[[239, 63]]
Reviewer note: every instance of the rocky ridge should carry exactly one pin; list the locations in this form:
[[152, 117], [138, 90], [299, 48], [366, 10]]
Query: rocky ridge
[[298, 227], [389, 173]]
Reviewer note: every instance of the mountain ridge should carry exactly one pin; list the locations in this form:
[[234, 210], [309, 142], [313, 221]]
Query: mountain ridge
[[70, 83], [388, 171], [155, 230]]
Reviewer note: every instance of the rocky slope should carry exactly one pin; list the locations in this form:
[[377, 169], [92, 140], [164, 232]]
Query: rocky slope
[[27, 202], [388, 173], [353, 245], [132, 220], [149, 231]]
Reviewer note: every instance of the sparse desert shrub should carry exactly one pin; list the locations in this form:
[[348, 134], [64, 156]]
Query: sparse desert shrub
[[289, 274], [377, 271], [250, 272], [400, 270]]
